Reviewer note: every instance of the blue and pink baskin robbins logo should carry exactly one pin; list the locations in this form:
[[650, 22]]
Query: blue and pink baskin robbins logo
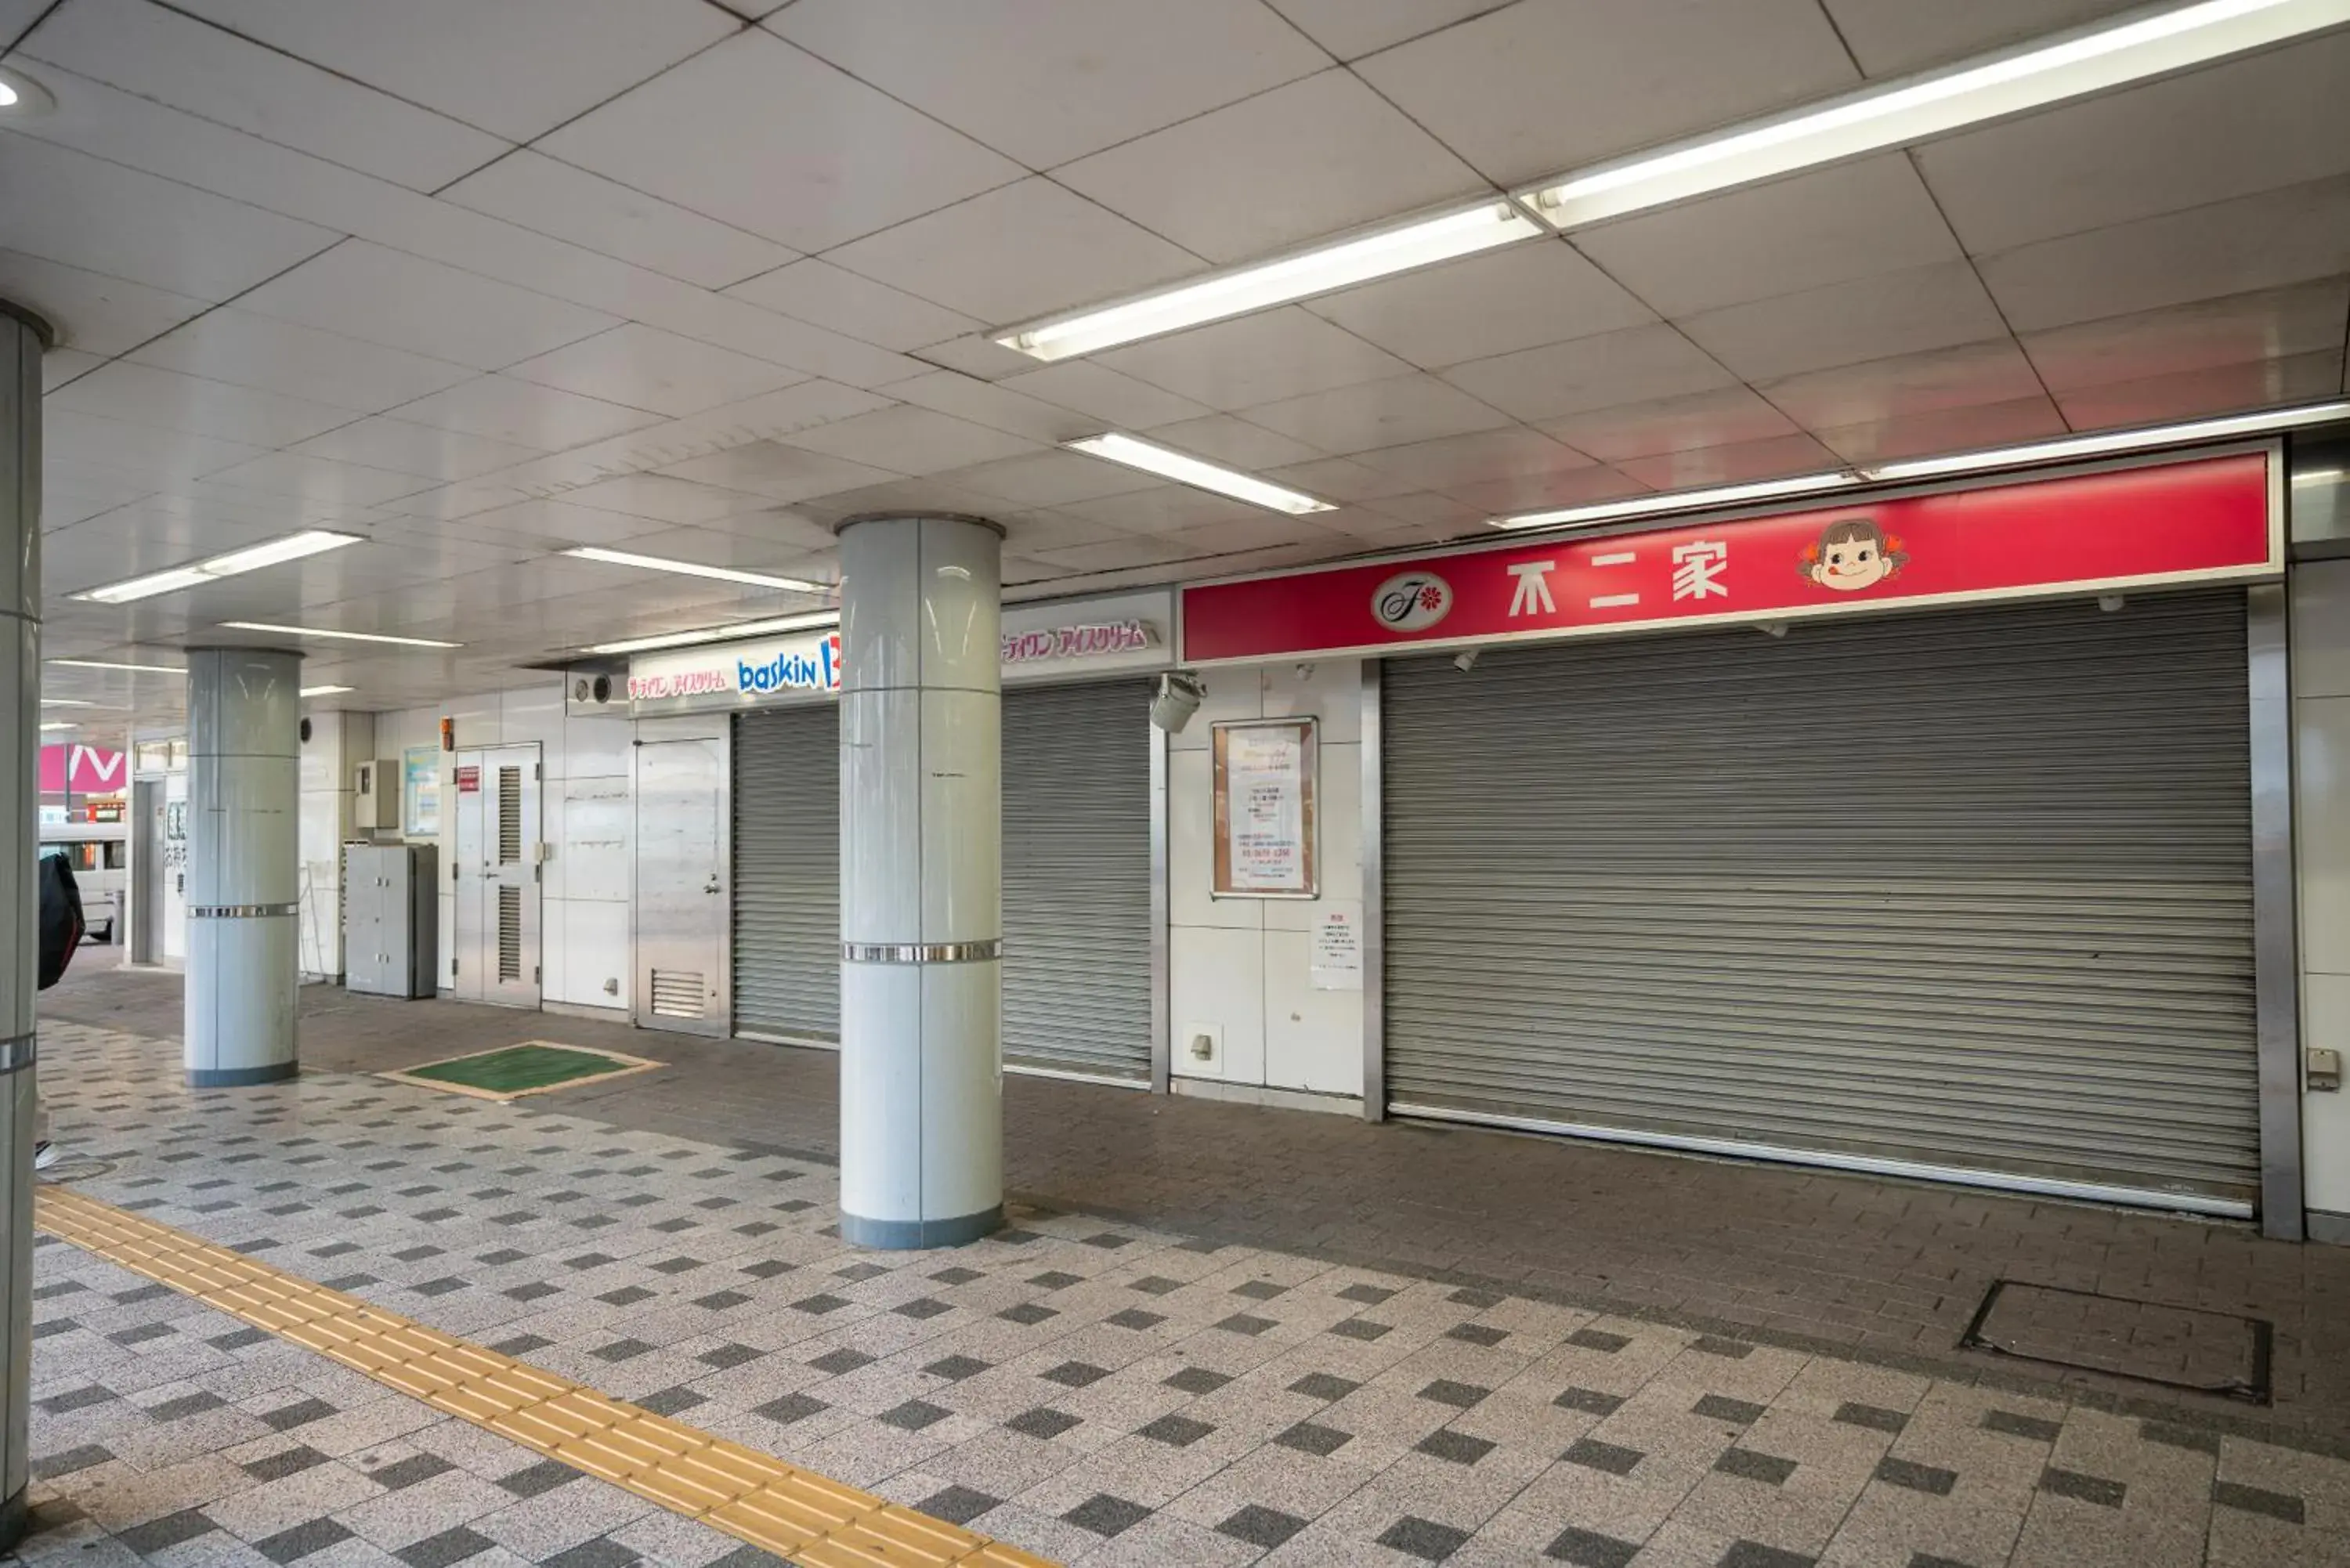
[[801, 670]]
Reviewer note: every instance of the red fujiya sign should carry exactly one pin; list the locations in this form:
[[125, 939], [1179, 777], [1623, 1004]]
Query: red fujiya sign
[[2205, 520]]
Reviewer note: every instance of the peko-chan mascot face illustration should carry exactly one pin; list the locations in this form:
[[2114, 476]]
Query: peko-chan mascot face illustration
[[1851, 554]]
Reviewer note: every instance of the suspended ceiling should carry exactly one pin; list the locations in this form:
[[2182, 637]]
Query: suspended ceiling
[[483, 283]]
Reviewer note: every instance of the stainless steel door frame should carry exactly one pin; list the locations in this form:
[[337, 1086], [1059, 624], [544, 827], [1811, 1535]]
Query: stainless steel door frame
[[145, 881], [682, 903]]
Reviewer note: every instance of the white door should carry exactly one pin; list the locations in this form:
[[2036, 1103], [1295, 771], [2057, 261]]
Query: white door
[[495, 876], [681, 897]]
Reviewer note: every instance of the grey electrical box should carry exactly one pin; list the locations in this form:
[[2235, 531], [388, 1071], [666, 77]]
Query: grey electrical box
[[391, 934], [375, 795]]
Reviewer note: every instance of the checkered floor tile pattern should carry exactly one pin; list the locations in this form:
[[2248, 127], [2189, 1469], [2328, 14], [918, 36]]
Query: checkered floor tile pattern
[[1092, 1392]]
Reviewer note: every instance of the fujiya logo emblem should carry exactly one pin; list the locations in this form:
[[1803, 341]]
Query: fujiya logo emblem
[[1411, 601]]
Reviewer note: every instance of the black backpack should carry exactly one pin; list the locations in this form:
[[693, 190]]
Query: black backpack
[[61, 923]]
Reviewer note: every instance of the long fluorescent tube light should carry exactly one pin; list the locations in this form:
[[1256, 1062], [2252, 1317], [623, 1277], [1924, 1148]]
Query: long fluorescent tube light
[[339, 636], [722, 633], [1184, 468], [1317, 271], [65, 702], [323, 690], [274, 552], [1680, 501], [134, 668], [60, 724], [2032, 76], [694, 569], [2105, 442]]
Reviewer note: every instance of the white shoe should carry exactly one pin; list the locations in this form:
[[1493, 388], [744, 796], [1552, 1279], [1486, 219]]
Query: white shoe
[[44, 1154]]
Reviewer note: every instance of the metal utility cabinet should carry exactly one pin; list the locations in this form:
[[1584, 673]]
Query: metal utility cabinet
[[391, 918]]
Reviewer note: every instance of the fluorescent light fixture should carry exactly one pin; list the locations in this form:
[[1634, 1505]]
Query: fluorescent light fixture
[[65, 702], [338, 636], [1680, 501], [2107, 442], [694, 569], [8, 96], [1185, 469], [722, 633], [60, 724], [2032, 76], [1317, 271], [323, 690], [134, 668], [20, 95], [274, 552]]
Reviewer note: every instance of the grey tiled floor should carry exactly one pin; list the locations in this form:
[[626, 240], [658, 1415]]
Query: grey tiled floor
[[1092, 1391]]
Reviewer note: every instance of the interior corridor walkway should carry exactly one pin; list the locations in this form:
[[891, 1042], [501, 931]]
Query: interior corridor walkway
[[1216, 1334]]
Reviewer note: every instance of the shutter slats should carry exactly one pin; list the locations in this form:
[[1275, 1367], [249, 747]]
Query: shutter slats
[[1972, 888], [1076, 879], [786, 802]]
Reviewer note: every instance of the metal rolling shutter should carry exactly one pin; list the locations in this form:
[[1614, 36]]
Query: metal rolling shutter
[[787, 799], [1076, 879], [1968, 889]]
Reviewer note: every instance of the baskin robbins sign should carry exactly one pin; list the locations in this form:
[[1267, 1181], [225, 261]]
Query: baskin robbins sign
[[1071, 639]]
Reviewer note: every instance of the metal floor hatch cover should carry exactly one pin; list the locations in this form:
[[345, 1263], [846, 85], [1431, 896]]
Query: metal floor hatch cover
[[2148, 1341]]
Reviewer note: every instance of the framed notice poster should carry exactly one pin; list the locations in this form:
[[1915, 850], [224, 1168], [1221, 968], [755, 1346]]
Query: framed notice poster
[[420, 792], [1265, 838]]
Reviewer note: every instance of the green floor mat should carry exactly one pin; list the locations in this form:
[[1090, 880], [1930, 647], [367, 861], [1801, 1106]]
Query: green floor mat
[[533, 1067]]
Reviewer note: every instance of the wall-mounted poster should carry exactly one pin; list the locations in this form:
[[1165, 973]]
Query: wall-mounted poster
[[1265, 785], [420, 792]]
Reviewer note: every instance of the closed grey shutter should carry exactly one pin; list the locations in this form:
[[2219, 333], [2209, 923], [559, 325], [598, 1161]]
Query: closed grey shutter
[[1076, 879], [1968, 889], [786, 801]]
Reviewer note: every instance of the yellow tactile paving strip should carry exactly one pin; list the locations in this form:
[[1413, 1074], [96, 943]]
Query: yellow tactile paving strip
[[754, 1497]]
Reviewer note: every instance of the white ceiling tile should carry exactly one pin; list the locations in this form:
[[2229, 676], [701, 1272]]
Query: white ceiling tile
[[386, 297], [982, 358], [2272, 323], [1348, 420], [516, 69], [1520, 297], [92, 312], [1672, 424], [1906, 385], [1946, 430], [778, 472], [116, 449], [1830, 225], [1428, 510], [927, 494], [2230, 247], [770, 415], [1343, 479], [2303, 377], [60, 365], [779, 542], [1106, 394], [1371, 530], [661, 498], [1162, 509], [145, 394], [1738, 464], [1893, 37], [318, 479], [540, 418], [2277, 118], [1051, 479], [1546, 86], [912, 441], [68, 207], [780, 532], [1045, 530], [557, 521], [1114, 555], [1353, 28], [1638, 365], [1465, 459], [555, 199], [1539, 491], [1261, 532], [1019, 251], [643, 368], [1303, 160], [162, 54], [1223, 438], [1256, 360], [817, 291], [1048, 80], [1937, 307], [248, 350], [763, 136], [466, 498], [993, 404], [384, 443]]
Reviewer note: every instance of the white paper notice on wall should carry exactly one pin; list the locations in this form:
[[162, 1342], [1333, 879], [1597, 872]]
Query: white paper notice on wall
[[1337, 960]]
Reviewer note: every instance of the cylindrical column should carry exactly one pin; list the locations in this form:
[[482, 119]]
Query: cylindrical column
[[244, 847], [921, 918], [22, 338]]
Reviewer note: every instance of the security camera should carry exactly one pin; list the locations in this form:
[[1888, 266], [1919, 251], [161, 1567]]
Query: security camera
[[2110, 603], [1179, 692], [1465, 660]]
